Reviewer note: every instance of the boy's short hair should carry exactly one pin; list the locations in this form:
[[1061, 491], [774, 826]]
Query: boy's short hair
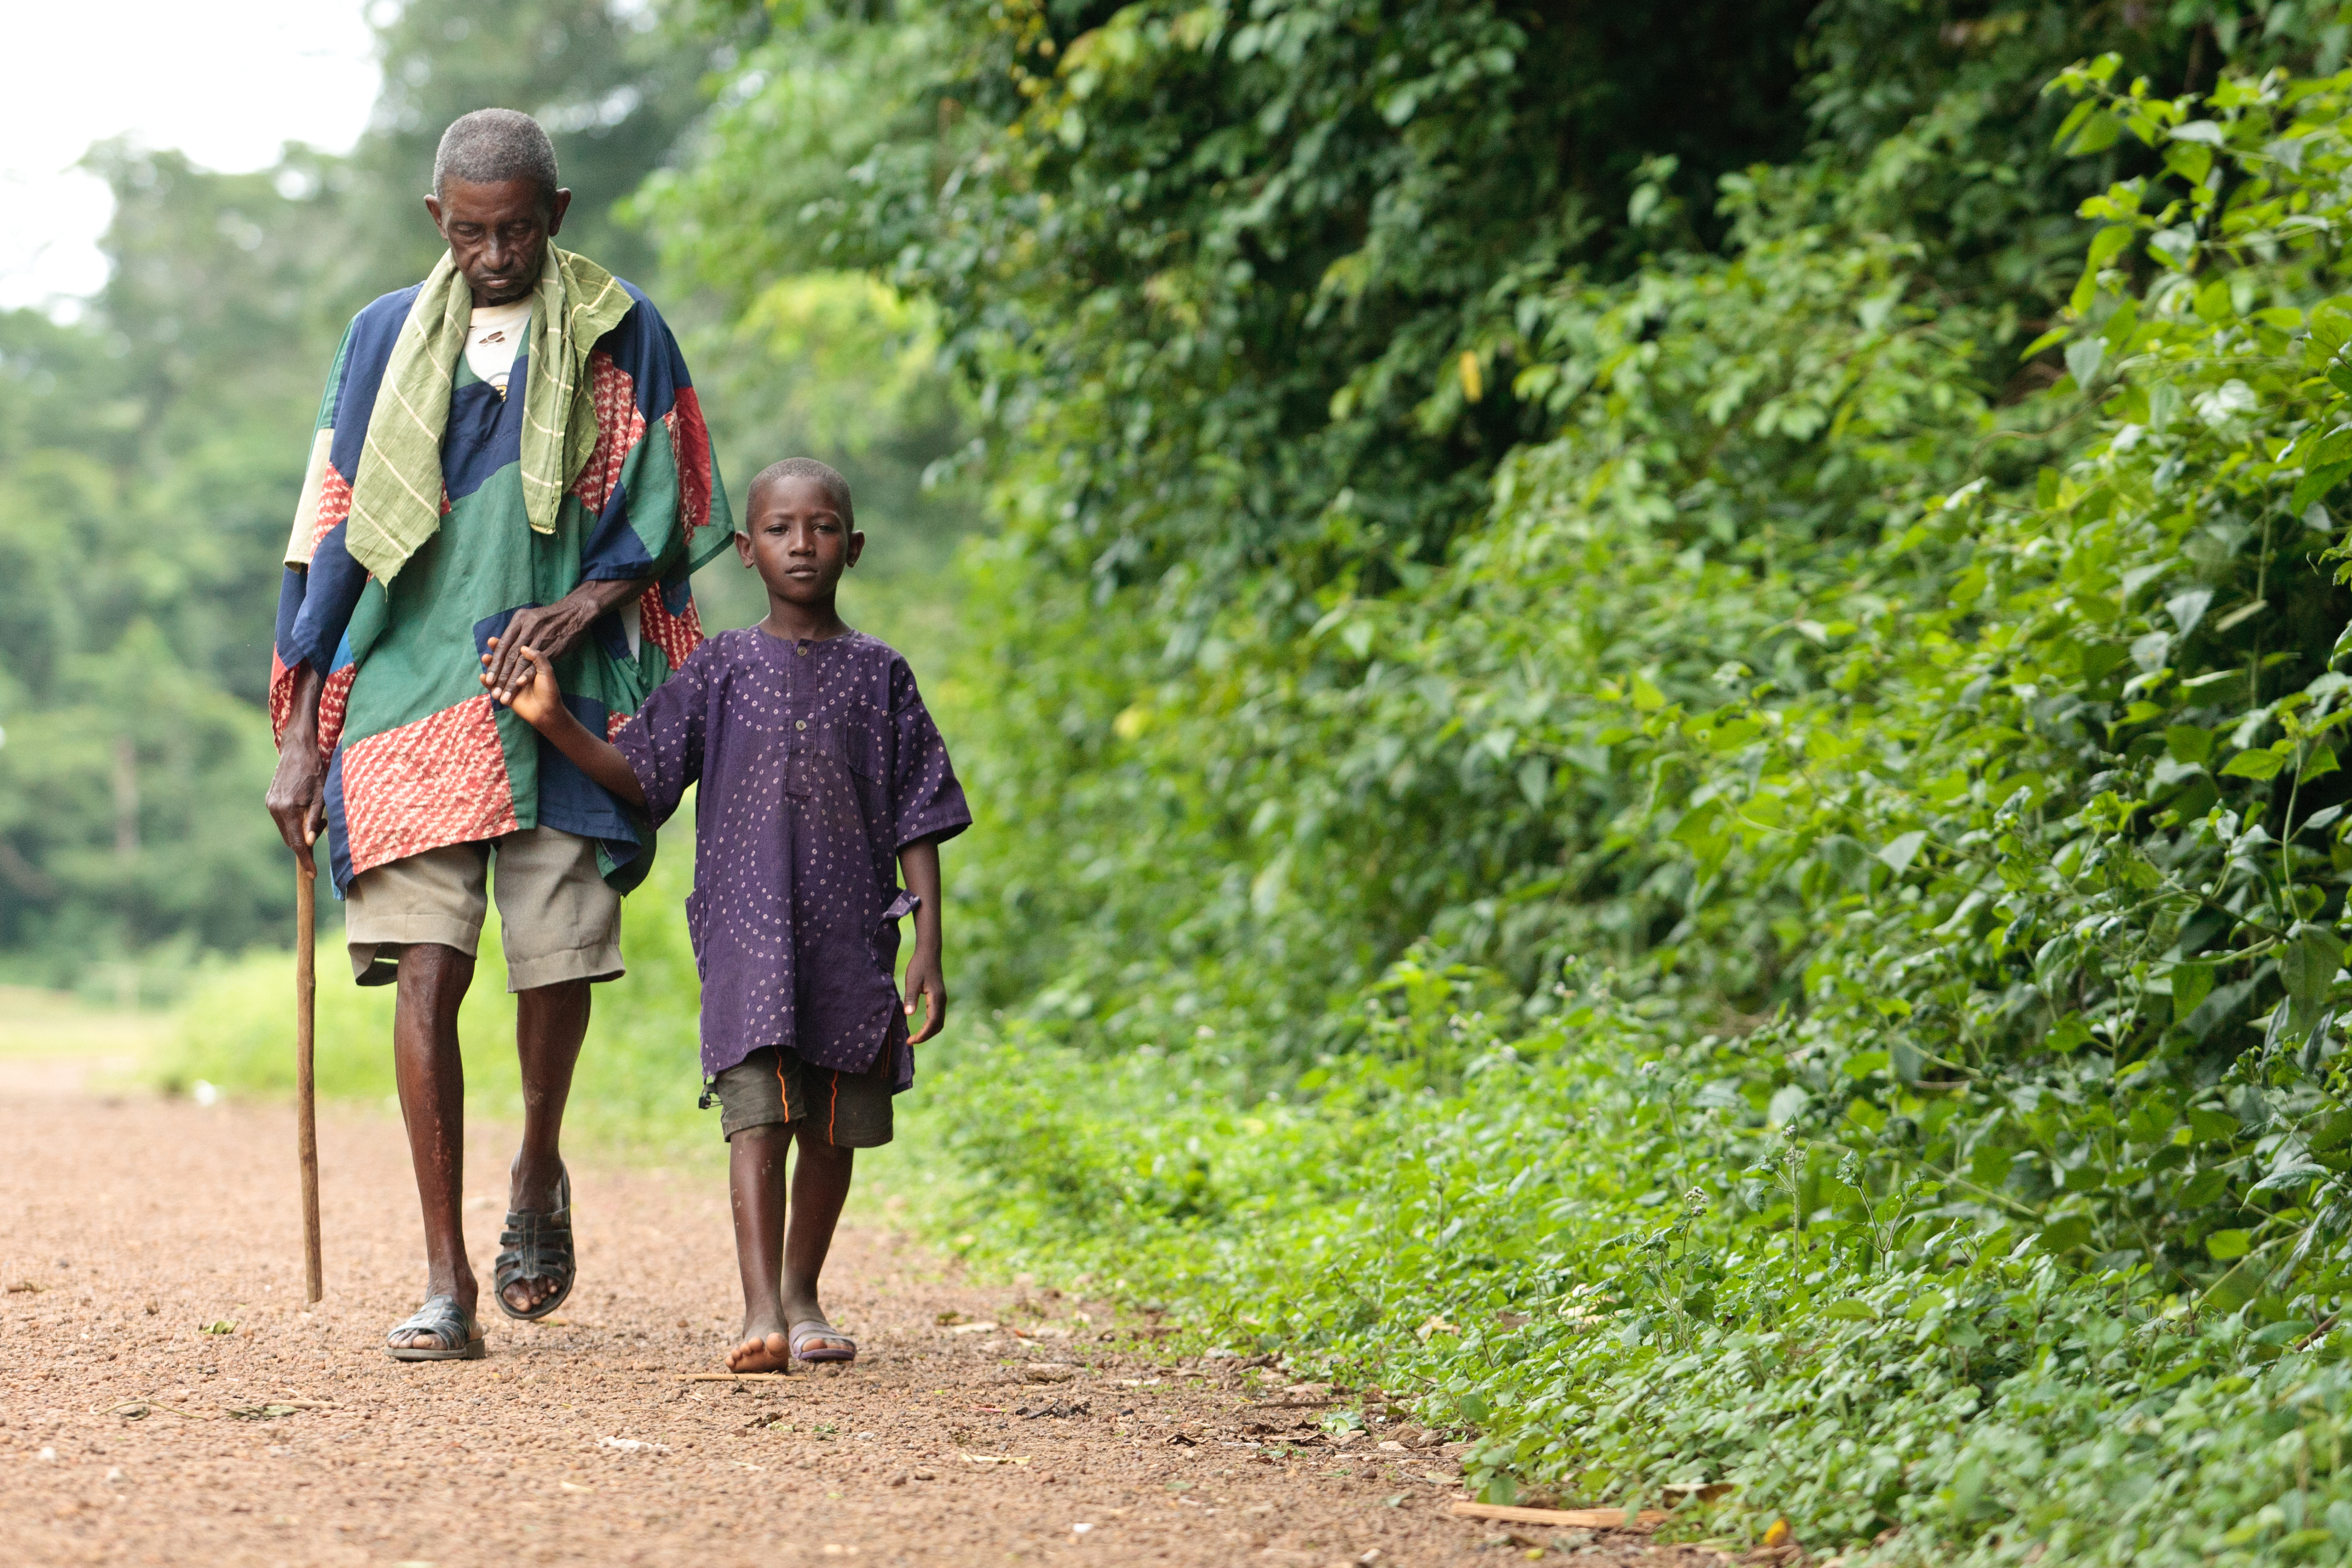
[[835, 487]]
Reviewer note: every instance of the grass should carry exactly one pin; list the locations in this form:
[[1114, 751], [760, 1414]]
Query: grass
[[38, 1025]]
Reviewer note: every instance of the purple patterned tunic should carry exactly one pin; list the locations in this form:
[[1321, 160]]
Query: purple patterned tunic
[[818, 763]]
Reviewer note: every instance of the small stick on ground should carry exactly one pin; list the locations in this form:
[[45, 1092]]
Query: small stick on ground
[[1576, 1518]]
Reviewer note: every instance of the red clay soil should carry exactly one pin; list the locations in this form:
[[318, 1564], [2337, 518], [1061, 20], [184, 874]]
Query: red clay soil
[[166, 1398]]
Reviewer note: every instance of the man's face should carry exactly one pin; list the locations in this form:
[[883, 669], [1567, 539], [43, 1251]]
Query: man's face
[[796, 542], [497, 233]]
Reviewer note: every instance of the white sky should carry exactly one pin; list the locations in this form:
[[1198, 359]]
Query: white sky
[[226, 82]]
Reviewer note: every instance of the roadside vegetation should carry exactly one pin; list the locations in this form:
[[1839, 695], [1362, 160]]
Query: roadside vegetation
[[1672, 785]]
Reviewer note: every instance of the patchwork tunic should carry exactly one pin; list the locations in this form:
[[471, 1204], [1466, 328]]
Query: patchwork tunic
[[817, 763], [420, 755]]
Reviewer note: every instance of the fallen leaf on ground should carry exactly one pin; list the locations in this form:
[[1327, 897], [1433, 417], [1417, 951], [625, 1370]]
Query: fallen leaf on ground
[[978, 1327], [996, 1458], [632, 1446]]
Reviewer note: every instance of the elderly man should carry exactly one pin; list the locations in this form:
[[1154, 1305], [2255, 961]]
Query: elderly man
[[511, 448]]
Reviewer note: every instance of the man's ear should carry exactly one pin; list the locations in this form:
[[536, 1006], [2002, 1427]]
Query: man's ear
[[433, 210], [555, 215]]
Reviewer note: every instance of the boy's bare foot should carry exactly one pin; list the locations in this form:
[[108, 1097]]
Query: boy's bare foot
[[761, 1352]]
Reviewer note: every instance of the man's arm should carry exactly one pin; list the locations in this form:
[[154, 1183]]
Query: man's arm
[[298, 791], [919, 863], [555, 630]]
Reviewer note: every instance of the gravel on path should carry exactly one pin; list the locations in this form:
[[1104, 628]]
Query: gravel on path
[[165, 1397]]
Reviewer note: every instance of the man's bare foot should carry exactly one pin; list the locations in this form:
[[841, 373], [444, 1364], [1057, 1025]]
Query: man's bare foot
[[523, 1295], [761, 1352]]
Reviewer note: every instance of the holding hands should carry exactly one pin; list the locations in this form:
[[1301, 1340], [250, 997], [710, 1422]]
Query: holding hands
[[520, 678], [530, 688]]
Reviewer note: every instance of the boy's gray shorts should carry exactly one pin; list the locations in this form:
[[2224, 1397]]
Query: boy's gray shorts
[[559, 919], [773, 1088]]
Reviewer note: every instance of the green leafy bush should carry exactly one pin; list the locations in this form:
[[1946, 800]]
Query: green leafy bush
[[1877, 853]]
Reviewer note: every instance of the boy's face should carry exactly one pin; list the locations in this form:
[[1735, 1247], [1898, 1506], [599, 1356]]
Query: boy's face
[[796, 543]]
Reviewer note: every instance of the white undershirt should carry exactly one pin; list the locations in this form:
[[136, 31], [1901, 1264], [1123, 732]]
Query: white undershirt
[[496, 332]]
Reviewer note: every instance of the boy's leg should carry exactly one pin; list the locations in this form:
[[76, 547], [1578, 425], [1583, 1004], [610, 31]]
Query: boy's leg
[[820, 1188], [432, 1077], [755, 1182]]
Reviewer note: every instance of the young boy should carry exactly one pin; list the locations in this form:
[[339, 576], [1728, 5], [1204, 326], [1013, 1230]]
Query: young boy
[[818, 767]]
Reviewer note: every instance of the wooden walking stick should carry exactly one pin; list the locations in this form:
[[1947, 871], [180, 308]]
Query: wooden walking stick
[[306, 1030]]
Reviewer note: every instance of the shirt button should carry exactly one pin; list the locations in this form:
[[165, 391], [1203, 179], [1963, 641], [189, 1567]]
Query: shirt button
[[800, 648], [799, 723]]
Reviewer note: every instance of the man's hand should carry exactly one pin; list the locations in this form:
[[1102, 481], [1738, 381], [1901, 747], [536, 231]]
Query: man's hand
[[298, 791], [553, 629]]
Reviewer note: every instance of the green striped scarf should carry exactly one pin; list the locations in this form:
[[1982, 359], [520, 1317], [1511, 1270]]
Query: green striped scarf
[[396, 494]]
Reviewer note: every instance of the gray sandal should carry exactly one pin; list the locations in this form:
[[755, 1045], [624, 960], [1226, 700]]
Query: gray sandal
[[808, 1331], [537, 1246], [460, 1336]]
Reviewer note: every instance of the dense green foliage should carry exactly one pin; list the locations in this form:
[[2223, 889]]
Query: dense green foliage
[[1683, 807]]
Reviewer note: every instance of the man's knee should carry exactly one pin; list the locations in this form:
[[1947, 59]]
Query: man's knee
[[427, 970], [560, 996]]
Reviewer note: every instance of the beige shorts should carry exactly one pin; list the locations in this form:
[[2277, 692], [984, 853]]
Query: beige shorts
[[558, 918]]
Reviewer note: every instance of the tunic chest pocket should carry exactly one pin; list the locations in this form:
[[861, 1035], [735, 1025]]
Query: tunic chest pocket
[[864, 748], [826, 748]]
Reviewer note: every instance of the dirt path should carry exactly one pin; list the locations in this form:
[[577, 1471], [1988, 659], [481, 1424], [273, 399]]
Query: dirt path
[[134, 1223]]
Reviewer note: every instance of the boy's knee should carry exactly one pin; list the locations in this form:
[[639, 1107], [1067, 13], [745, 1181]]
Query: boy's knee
[[761, 1131], [815, 1145]]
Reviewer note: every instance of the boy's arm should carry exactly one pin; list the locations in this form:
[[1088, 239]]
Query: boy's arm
[[918, 863], [538, 701]]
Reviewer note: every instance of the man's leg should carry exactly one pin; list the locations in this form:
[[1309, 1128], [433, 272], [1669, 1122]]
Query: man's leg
[[432, 981], [550, 1023], [562, 927]]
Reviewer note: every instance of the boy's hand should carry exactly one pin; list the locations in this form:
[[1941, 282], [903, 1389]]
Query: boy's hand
[[927, 980], [535, 697]]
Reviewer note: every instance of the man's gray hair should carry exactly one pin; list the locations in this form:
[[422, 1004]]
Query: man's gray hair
[[835, 487], [490, 146]]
